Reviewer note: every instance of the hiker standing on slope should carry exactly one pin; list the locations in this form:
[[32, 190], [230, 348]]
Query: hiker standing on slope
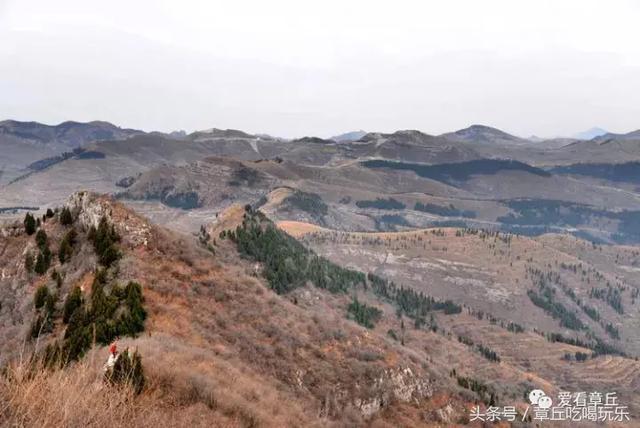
[[113, 357]]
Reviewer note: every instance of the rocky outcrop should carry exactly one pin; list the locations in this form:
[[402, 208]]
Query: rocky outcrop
[[396, 384], [393, 385], [88, 208], [11, 229]]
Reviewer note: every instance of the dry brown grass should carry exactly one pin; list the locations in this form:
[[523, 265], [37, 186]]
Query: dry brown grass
[[228, 219], [275, 198], [221, 349], [299, 228], [491, 275], [72, 398], [185, 387]]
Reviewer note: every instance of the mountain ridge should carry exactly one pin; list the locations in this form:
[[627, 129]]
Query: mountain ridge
[[590, 133], [482, 134]]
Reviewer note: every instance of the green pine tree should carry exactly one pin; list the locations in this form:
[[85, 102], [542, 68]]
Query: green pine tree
[[29, 224], [41, 265], [40, 296], [66, 246], [41, 238], [66, 218], [71, 303], [127, 370], [28, 262]]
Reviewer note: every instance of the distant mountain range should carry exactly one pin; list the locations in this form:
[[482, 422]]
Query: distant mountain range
[[70, 134], [349, 136], [484, 135], [590, 133], [23, 143], [31, 146], [629, 136], [340, 282]]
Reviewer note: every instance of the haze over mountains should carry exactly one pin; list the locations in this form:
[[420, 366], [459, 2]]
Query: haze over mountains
[[370, 278], [590, 133], [25, 142], [349, 136], [563, 179]]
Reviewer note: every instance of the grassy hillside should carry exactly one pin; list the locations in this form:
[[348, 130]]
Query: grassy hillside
[[219, 345], [247, 326]]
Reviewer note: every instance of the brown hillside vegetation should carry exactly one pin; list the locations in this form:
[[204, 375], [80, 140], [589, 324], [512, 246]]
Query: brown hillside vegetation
[[298, 229], [221, 348], [491, 274]]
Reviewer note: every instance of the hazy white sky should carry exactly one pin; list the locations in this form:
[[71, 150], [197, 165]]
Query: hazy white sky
[[293, 68]]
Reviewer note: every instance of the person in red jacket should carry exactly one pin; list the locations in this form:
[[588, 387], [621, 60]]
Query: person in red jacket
[[113, 357]]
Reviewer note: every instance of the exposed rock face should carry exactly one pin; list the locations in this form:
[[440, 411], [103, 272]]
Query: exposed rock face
[[89, 208], [12, 229], [395, 384], [446, 414]]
